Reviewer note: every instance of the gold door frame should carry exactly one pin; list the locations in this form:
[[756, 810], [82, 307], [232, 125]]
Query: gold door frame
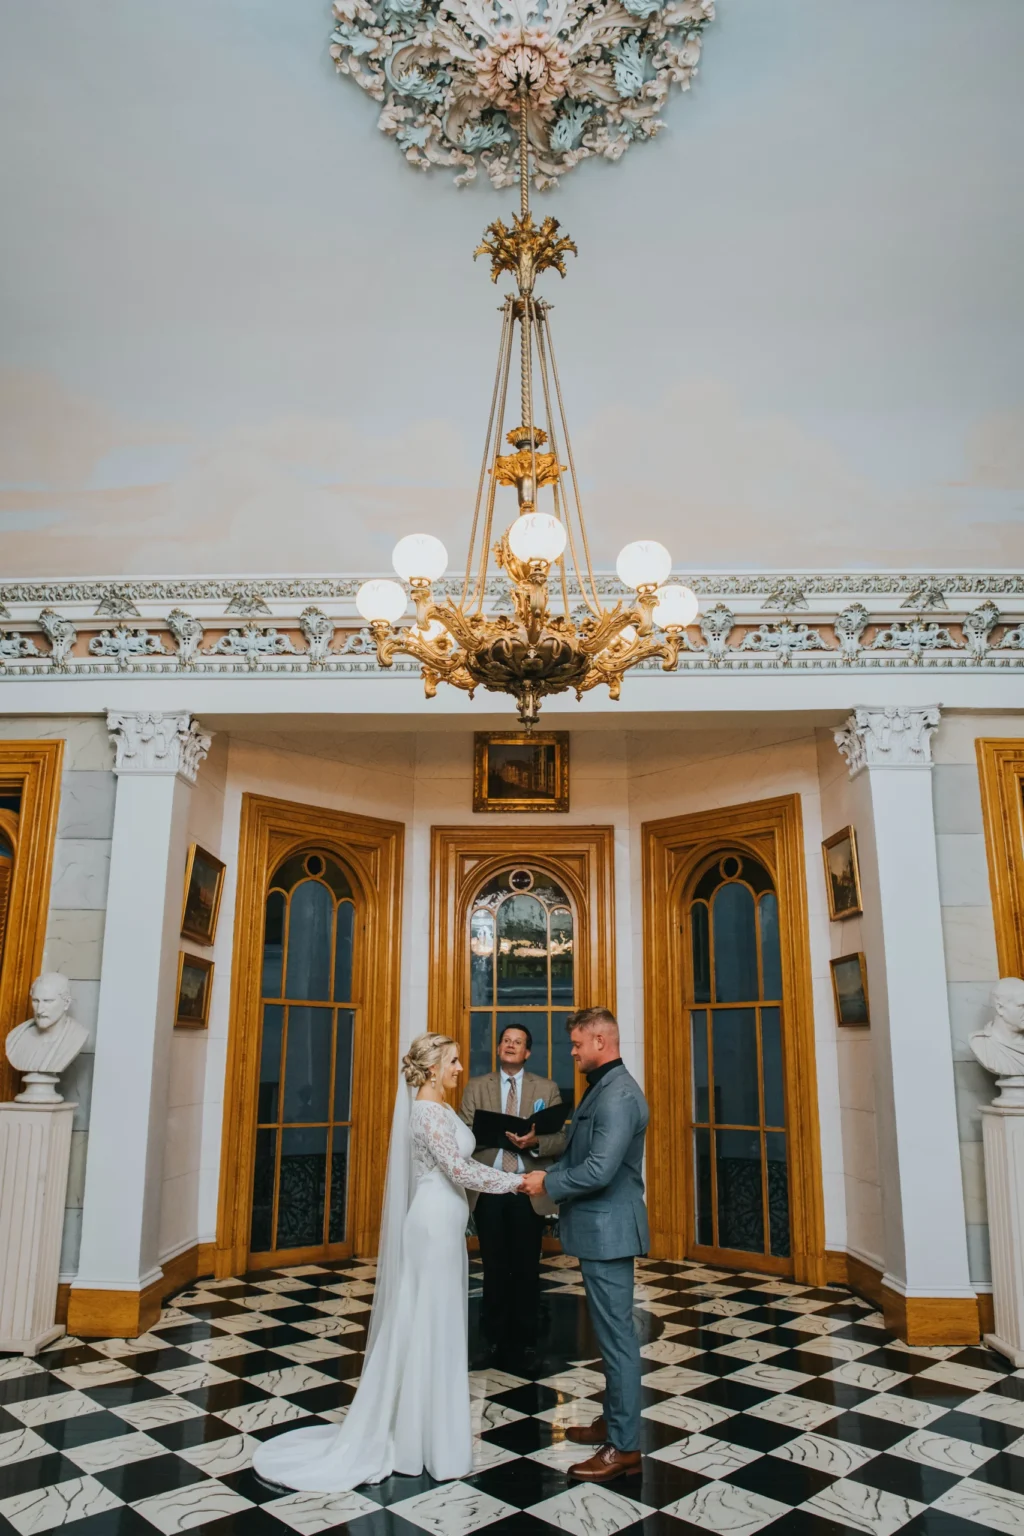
[[371, 852], [1001, 771], [674, 849], [34, 768], [462, 859]]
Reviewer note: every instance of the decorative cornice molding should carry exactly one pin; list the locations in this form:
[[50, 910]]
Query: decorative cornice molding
[[850, 623], [153, 743], [898, 736], [446, 73], [242, 597]]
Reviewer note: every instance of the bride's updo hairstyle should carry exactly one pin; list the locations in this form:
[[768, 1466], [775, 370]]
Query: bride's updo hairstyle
[[427, 1053]]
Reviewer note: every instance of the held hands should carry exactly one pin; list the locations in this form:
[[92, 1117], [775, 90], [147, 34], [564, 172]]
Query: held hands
[[533, 1183], [522, 1142]]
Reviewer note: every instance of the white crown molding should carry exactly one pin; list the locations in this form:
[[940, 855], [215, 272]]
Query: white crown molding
[[147, 742]]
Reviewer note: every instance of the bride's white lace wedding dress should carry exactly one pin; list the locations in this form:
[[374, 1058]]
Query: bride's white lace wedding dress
[[411, 1409]]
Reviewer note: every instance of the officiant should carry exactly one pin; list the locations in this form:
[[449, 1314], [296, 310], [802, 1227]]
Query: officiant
[[510, 1227]]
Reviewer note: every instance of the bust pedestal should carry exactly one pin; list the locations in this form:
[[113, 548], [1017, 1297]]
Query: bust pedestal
[[35, 1150], [1003, 1135]]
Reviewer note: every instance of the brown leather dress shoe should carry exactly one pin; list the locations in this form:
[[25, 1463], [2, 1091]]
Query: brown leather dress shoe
[[588, 1434], [606, 1466]]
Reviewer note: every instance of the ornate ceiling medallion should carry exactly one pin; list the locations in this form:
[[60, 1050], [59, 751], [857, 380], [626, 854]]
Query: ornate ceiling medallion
[[447, 73]]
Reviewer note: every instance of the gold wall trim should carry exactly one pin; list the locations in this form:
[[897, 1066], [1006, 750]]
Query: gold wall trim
[[1001, 772], [372, 851], [581, 859], [126, 1314], [673, 849], [34, 767]]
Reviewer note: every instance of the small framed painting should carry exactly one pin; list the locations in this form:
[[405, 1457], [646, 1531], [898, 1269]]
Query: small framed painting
[[195, 979], [850, 989], [516, 772], [842, 874], [204, 879]]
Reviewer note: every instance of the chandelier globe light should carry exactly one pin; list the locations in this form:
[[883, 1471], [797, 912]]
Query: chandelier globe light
[[559, 634]]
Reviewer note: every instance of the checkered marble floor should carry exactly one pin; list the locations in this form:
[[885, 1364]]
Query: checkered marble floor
[[767, 1406]]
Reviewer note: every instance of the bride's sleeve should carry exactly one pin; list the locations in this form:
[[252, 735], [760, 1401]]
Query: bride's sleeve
[[438, 1134]]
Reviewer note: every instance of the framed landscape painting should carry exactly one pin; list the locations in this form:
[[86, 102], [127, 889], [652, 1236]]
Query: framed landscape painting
[[842, 874], [850, 989], [204, 880], [195, 979], [516, 772]]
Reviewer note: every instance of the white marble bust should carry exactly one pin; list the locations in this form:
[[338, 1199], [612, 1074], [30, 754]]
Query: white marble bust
[[47, 1043], [1000, 1045]]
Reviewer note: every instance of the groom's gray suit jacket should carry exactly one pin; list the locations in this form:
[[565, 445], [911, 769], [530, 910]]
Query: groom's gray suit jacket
[[598, 1182]]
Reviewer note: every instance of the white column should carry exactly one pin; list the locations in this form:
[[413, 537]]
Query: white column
[[889, 755], [157, 758]]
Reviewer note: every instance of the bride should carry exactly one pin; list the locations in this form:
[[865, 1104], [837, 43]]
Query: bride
[[411, 1408]]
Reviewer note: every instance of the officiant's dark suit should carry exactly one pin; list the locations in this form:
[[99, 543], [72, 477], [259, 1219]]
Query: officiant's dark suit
[[510, 1227]]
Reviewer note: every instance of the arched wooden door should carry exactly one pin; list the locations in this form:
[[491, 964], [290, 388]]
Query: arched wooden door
[[313, 1036], [733, 1148]]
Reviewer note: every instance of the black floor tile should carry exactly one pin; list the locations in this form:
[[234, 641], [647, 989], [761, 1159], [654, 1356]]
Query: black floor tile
[[394, 1489], [247, 1522], [248, 1486], [119, 1393], [270, 1430], [840, 1393], [384, 1522], [908, 1479], [967, 1426], [521, 1483], [780, 1480], [113, 1522], [188, 1432], [225, 1394], [143, 1479], [22, 1389], [529, 1399], [1002, 1471], [662, 1483], [935, 1522], [522, 1437], [863, 1429], [186, 1333], [62, 1434], [735, 1395], [924, 1389], [37, 1472], [756, 1434]]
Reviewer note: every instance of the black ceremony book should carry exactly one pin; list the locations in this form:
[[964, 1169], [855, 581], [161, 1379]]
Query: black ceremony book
[[489, 1128]]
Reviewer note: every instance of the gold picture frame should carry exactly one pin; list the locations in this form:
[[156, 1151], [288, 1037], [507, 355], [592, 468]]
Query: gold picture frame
[[516, 772], [192, 997], [842, 874], [850, 990], [200, 907]]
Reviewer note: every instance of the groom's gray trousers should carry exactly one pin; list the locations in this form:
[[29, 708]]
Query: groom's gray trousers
[[609, 1284]]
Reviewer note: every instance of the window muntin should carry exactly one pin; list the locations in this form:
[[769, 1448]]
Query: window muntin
[[741, 1195], [522, 971], [309, 1022]]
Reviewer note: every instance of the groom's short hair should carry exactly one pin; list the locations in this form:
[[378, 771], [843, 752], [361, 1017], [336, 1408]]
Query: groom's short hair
[[592, 1018]]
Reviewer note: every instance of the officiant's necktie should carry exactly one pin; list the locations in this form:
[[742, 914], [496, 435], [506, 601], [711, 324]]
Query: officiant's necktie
[[510, 1160]]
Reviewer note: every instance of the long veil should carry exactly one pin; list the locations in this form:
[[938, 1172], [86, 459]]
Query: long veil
[[396, 1206]]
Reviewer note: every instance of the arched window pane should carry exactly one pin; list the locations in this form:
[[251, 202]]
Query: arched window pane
[[6, 851], [771, 1052], [307, 1073], [734, 1048], [300, 1206], [561, 956], [273, 945], [310, 920], [522, 951], [771, 960], [270, 1064], [346, 926], [481, 956], [740, 1199], [701, 953], [732, 922]]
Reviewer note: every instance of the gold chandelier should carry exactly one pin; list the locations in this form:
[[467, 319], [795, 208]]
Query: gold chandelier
[[534, 651]]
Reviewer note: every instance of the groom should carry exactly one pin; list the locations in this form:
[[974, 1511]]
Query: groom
[[598, 1185]]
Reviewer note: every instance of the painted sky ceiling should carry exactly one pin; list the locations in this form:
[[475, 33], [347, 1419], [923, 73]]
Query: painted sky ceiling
[[238, 333]]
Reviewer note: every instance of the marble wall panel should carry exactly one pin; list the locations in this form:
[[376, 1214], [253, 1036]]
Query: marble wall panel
[[963, 870], [74, 944], [81, 871], [87, 804]]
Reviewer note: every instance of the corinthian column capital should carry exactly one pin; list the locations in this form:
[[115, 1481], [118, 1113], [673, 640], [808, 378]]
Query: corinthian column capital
[[894, 736], [148, 742]]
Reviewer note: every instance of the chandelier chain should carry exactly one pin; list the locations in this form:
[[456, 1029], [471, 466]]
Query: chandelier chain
[[591, 594], [503, 358]]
